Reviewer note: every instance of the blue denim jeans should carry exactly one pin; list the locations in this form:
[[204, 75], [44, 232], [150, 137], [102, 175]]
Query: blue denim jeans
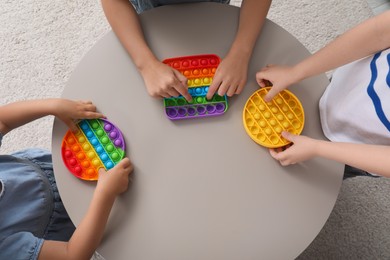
[[143, 5], [350, 172]]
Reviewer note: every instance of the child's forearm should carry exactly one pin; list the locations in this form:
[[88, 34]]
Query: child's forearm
[[89, 233], [19, 113], [371, 158], [252, 17], [125, 23], [86, 237], [365, 39]]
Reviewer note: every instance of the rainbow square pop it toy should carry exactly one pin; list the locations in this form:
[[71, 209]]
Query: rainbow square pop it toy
[[199, 70], [265, 121], [97, 144]]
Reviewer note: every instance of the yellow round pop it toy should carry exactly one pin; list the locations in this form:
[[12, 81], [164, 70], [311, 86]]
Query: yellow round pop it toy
[[265, 121]]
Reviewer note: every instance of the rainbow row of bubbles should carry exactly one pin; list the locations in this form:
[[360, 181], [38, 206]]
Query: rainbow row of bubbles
[[96, 144], [199, 70]]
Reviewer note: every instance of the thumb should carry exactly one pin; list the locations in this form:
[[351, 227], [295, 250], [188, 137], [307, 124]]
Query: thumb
[[101, 171], [289, 136], [72, 125], [261, 79], [273, 153], [271, 94]]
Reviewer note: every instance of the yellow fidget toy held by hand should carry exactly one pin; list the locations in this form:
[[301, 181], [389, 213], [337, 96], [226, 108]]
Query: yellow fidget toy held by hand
[[265, 121]]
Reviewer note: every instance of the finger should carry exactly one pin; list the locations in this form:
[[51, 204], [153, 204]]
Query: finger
[[223, 88], [184, 92], [89, 107], [92, 115], [86, 102], [239, 89], [181, 78], [273, 153], [232, 90], [101, 171], [173, 93], [289, 136], [213, 87], [125, 162], [162, 94], [181, 86], [271, 94], [72, 125]]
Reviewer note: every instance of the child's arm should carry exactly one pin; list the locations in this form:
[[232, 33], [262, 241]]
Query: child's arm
[[371, 158], [160, 79], [365, 39], [19, 113], [231, 75], [89, 233]]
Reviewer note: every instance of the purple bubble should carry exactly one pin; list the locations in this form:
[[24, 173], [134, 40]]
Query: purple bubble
[[191, 111], [201, 110], [113, 134], [210, 109], [107, 127], [220, 107], [118, 142], [171, 112], [182, 111]]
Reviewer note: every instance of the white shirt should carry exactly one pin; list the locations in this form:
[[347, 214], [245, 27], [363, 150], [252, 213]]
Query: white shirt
[[355, 107]]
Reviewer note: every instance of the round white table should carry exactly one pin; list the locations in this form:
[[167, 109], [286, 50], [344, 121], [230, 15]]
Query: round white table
[[202, 188]]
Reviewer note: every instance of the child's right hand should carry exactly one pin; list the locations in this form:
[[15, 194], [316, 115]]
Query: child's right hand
[[116, 180], [303, 148], [163, 81], [69, 111], [279, 76]]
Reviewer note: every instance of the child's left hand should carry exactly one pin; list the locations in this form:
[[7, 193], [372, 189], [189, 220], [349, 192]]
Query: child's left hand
[[69, 111], [302, 149], [230, 77]]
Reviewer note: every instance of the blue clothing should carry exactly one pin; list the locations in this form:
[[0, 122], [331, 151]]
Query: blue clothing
[[31, 209], [143, 5]]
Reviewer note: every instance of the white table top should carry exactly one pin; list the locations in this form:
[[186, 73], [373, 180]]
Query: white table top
[[202, 188]]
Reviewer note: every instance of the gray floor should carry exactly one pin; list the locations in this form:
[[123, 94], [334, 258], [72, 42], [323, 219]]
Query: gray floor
[[359, 225]]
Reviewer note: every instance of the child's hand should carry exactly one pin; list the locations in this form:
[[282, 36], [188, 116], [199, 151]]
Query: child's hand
[[69, 111], [303, 148], [230, 77], [163, 81], [116, 180], [279, 76]]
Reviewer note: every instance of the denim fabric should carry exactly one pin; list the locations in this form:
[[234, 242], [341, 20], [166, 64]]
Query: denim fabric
[[143, 5], [350, 172], [31, 209]]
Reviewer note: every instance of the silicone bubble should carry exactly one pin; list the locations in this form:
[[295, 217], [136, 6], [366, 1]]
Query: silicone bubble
[[96, 144], [265, 121], [199, 70]]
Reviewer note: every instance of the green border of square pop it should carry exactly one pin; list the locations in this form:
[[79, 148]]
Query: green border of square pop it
[[267, 120]]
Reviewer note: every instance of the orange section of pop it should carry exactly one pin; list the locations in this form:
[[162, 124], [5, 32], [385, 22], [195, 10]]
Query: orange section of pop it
[[265, 121], [198, 69], [82, 158]]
